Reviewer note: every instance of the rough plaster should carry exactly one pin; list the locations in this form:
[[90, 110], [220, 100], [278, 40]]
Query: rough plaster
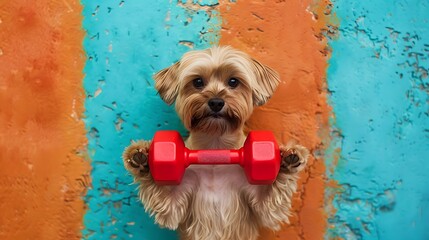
[[295, 46], [43, 174], [378, 79], [126, 43]]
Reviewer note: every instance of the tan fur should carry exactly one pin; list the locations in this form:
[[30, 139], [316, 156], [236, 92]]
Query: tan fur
[[216, 201]]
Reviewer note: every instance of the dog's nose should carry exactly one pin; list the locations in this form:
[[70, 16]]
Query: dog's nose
[[216, 104]]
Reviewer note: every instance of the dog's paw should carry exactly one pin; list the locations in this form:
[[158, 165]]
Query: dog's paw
[[293, 158], [135, 158]]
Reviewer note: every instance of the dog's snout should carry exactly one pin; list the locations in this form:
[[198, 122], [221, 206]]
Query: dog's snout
[[216, 104]]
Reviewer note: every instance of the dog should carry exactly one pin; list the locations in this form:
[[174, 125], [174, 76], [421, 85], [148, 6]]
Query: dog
[[214, 92]]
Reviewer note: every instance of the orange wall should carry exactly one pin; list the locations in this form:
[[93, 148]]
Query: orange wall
[[290, 42], [42, 140]]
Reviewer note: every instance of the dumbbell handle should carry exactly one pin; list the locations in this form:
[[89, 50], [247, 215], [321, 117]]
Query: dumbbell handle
[[214, 157]]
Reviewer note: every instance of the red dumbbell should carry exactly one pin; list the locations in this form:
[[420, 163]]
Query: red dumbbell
[[168, 157]]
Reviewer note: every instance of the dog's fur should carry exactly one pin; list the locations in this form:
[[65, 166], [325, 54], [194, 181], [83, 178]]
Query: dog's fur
[[216, 201]]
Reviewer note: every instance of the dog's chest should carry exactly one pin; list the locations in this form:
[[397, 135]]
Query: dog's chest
[[217, 200], [215, 183], [217, 205], [218, 182]]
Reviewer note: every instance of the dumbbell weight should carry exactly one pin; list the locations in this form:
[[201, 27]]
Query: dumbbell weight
[[259, 156]]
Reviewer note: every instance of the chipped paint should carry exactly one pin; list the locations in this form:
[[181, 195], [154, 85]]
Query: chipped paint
[[379, 91], [126, 44]]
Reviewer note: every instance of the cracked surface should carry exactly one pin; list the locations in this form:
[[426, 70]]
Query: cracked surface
[[380, 100], [295, 45], [126, 43]]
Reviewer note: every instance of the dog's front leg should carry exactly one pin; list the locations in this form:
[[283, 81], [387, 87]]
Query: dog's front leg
[[168, 204], [272, 203]]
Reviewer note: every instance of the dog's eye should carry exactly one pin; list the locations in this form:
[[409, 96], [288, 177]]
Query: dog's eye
[[233, 82], [198, 83]]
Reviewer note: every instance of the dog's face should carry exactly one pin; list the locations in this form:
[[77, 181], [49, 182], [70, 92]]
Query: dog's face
[[215, 90]]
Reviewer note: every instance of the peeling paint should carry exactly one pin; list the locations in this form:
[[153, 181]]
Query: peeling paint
[[126, 44], [378, 84]]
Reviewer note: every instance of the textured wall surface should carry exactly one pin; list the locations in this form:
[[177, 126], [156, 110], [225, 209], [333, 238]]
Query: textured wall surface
[[126, 43], [43, 174], [378, 79], [76, 86], [294, 45]]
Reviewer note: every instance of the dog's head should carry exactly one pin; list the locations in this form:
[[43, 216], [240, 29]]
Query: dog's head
[[215, 90]]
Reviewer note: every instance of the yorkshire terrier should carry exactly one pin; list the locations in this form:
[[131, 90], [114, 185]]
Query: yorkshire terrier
[[215, 91]]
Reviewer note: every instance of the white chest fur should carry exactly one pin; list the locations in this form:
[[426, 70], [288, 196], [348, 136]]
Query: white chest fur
[[217, 205], [217, 182], [217, 209]]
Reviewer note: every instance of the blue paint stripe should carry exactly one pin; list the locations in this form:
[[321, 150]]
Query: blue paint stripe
[[126, 43], [379, 84]]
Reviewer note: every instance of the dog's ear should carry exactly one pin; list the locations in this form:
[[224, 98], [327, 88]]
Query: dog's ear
[[267, 81], [167, 83]]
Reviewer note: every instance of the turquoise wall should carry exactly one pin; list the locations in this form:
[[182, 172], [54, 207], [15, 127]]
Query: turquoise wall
[[126, 43], [378, 80]]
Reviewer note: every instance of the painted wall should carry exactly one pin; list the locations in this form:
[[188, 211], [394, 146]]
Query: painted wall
[[43, 171], [378, 80], [126, 43], [76, 86]]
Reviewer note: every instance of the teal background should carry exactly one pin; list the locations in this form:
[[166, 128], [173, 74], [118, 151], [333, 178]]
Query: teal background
[[378, 84], [126, 43]]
